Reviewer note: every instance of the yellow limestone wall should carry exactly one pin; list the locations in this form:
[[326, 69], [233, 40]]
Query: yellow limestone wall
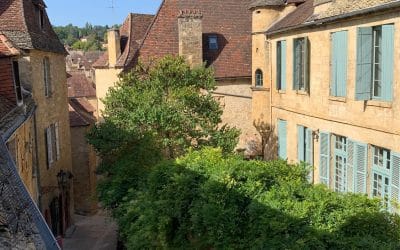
[[372, 122]]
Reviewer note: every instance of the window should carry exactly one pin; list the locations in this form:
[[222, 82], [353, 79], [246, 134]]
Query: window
[[17, 82], [282, 139], [340, 163], [338, 63], [52, 144], [46, 76], [301, 64], [281, 65], [259, 78], [41, 17], [375, 60], [213, 42], [381, 167]]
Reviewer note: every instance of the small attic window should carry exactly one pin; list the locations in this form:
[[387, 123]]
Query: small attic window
[[212, 42], [41, 17]]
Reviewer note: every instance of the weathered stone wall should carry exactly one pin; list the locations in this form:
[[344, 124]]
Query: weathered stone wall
[[372, 122], [84, 167], [49, 111], [190, 31], [235, 98], [23, 143]]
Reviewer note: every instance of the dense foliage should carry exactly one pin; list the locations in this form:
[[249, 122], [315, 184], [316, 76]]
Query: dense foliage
[[208, 200], [170, 102], [71, 35], [168, 189]]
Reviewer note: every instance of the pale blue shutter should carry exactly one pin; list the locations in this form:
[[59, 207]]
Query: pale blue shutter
[[283, 65], [360, 165], [339, 64], [387, 61], [395, 177], [364, 63], [350, 165], [282, 141], [324, 158], [300, 143], [310, 152], [306, 66]]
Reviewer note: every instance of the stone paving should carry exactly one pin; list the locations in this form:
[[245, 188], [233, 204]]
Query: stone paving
[[97, 232]]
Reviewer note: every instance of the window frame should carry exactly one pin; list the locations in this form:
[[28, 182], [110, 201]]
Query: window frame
[[377, 49], [17, 83], [259, 78], [47, 76], [340, 175], [301, 61], [213, 42]]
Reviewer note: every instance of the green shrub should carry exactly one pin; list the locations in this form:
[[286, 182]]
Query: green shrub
[[207, 200]]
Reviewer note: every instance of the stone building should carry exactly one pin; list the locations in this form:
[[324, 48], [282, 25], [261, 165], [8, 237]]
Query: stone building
[[214, 32], [21, 224], [83, 115], [121, 48], [42, 75], [327, 84]]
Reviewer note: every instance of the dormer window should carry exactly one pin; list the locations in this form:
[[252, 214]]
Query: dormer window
[[212, 42], [41, 18], [17, 83]]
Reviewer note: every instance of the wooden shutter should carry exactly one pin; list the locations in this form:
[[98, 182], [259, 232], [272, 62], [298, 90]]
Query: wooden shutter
[[350, 165], [282, 140], [364, 63], [310, 152], [387, 61], [324, 158], [395, 177], [56, 126], [296, 64], [49, 146], [283, 65], [300, 143], [339, 64], [360, 168], [306, 66]]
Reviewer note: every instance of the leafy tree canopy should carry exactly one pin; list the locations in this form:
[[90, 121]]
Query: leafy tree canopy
[[172, 103]]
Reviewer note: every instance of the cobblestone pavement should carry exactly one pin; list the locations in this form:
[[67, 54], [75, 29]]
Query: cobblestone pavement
[[97, 232]]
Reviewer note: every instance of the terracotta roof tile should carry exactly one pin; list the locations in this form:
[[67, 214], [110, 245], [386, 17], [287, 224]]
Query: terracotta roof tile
[[299, 16], [75, 119], [83, 104], [79, 85], [19, 21], [7, 49], [230, 20], [132, 33]]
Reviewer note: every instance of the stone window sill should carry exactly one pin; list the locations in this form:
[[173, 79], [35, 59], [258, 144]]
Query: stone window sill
[[381, 104], [337, 98], [259, 89], [280, 91], [302, 92]]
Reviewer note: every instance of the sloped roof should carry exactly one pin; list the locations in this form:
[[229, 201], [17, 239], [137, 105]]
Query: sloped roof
[[79, 85], [19, 21], [7, 49], [262, 3], [230, 20], [132, 33], [6, 106], [299, 16], [75, 119]]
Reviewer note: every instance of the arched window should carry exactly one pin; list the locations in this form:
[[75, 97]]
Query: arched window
[[259, 78]]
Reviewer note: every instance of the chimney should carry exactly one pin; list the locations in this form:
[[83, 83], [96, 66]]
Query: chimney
[[321, 6], [114, 47], [191, 36]]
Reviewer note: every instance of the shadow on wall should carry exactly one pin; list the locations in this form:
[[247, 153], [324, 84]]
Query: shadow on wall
[[267, 146], [4, 5], [211, 55]]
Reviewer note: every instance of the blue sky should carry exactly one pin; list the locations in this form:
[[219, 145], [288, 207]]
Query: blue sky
[[96, 12]]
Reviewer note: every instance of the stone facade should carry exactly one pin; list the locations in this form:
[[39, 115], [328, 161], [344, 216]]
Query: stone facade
[[372, 123]]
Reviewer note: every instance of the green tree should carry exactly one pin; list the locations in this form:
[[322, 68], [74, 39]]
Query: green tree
[[171, 102]]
